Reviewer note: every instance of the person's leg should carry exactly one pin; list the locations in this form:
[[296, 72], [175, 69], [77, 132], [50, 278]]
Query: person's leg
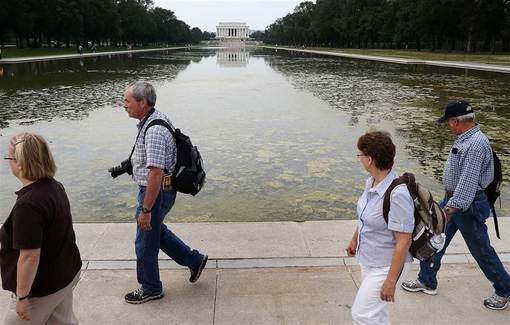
[[41, 308], [428, 274], [63, 312], [474, 231], [368, 307], [147, 248], [170, 243]]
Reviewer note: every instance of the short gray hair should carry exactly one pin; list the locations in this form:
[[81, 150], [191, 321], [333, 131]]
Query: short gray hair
[[466, 118], [143, 89]]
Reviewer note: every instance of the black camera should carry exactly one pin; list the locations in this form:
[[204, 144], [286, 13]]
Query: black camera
[[124, 167]]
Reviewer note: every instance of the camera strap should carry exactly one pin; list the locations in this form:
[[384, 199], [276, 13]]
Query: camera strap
[[140, 131]]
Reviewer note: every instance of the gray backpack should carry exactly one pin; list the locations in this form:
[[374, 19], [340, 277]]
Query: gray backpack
[[429, 219]]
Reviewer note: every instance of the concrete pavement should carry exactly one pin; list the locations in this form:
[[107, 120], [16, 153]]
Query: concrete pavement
[[267, 273], [84, 55], [449, 64]]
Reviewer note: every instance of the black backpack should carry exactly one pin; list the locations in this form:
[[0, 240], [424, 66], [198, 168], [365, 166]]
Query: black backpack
[[492, 191], [428, 236], [188, 176]]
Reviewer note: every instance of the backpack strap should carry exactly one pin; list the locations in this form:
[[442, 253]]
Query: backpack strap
[[158, 122], [387, 195], [162, 123]]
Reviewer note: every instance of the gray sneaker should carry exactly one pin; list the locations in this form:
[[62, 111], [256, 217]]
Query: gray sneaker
[[415, 286], [496, 302]]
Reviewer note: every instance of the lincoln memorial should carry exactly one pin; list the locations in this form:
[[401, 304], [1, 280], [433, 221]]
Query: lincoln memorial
[[232, 31]]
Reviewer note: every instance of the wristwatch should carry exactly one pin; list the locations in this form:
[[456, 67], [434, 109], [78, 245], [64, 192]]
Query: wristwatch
[[17, 299], [145, 210]]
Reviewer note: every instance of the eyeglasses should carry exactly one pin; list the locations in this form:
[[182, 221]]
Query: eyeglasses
[[360, 155], [9, 158]]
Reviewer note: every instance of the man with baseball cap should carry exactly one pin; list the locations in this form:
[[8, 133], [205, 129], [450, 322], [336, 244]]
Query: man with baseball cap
[[467, 172]]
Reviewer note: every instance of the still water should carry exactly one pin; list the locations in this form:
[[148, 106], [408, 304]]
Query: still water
[[277, 131]]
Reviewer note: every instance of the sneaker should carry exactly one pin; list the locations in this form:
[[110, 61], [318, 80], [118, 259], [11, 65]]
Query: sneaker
[[415, 286], [139, 296], [196, 272], [496, 302]]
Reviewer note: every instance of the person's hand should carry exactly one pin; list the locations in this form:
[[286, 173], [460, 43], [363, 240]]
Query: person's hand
[[388, 291], [351, 249], [144, 221], [22, 309]]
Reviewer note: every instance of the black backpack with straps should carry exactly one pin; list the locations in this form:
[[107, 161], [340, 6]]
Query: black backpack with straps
[[492, 191], [188, 176]]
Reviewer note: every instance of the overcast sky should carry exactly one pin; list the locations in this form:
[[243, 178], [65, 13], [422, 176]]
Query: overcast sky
[[206, 14]]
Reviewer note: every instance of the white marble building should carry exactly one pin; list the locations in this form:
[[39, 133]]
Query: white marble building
[[232, 31]]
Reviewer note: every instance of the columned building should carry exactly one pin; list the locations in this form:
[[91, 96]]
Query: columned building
[[232, 31]]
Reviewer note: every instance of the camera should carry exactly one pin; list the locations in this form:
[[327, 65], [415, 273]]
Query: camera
[[124, 167]]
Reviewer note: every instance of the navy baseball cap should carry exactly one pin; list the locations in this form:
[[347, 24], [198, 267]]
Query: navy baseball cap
[[455, 109]]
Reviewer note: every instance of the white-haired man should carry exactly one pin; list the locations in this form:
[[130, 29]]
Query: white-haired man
[[154, 156], [467, 172]]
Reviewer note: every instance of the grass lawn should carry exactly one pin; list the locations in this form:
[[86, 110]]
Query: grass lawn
[[501, 58], [12, 52]]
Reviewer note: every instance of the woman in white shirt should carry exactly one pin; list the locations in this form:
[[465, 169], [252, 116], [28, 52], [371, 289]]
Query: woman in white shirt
[[382, 248]]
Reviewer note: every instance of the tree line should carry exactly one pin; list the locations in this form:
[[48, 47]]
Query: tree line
[[467, 25], [36, 23]]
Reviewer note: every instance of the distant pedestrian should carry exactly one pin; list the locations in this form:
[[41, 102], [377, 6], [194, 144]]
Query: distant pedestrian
[[152, 162], [467, 172], [39, 260], [80, 49], [382, 248]]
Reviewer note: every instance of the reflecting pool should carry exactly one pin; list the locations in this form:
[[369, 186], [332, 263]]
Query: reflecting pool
[[277, 131]]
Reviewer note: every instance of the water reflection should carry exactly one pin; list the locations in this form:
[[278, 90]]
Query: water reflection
[[411, 97], [277, 134], [72, 88], [233, 58]]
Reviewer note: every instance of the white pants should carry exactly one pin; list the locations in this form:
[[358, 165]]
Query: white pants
[[54, 309], [368, 307]]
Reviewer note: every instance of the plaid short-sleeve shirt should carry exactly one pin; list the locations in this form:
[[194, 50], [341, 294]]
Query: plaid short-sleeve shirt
[[156, 149]]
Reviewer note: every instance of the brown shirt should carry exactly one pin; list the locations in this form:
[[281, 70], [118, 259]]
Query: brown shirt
[[41, 218]]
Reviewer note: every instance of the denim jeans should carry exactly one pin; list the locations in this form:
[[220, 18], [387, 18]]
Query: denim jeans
[[148, 243], [471, 224]]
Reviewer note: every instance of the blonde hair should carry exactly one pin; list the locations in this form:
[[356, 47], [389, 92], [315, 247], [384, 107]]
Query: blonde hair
[[34, 157]]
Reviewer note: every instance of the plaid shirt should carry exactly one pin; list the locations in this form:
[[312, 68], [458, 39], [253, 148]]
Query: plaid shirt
[[469, 168], [157, 150]]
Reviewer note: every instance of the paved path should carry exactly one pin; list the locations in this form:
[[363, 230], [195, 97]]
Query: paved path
[[267, 273], [85, 55], [449, 64]]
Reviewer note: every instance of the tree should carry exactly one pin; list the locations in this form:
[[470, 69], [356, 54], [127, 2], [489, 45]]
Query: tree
[[196, 35]]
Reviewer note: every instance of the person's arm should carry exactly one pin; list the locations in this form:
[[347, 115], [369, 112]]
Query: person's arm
[[401, 223], [28, 262], [351, 248], [151, 194], [403, 242], [156, 156]]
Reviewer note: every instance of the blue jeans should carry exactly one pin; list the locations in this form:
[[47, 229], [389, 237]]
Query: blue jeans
[[148, 243], [471, 224]]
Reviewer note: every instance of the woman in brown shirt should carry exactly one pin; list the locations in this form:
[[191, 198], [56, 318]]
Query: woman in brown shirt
[[39, 260]]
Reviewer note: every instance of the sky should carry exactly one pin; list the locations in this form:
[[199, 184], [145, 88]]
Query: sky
[[206, 14]]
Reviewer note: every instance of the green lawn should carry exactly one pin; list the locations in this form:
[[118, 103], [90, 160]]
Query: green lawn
[[501, 58], [12, 52]]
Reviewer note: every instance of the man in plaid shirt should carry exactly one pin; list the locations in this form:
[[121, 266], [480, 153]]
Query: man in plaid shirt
[[468, 171], [153, 156]]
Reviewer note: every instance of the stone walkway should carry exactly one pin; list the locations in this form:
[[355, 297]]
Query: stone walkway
[[267, 273], [84, 55], [449, 64]]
